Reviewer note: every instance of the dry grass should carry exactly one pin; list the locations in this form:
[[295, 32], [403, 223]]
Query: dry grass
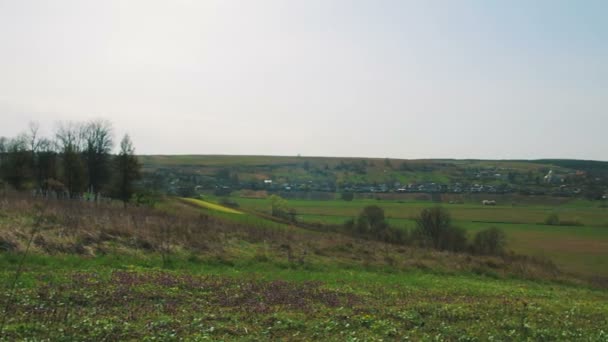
[[88, 230]]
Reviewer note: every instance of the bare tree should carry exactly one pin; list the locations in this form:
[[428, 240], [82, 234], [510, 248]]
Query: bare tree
[[33, 136], [34, 142], [47, 162], [69, 138], [98, 143]]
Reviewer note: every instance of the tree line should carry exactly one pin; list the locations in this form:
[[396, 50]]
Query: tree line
[[77, 159], [434, 229]]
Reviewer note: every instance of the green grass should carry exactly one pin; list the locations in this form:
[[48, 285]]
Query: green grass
[[579, 249], [575, 249], [587, 215], [130, 298]]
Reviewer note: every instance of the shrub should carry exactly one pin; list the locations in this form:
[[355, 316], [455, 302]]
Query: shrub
[[146, 198], [393, 235], [552, 220], [371, 220], [489, 241], [434, 229], [280, 209]]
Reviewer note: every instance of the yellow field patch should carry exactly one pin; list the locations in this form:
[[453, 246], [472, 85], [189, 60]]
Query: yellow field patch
[[211, 206]]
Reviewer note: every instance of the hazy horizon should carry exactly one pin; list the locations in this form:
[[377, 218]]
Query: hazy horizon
[[329, 78]]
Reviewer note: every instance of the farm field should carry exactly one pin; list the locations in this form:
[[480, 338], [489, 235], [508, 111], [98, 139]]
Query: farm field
[[116, 298], [582, 248]]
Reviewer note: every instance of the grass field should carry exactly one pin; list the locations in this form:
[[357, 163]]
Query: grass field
[[104, 299]]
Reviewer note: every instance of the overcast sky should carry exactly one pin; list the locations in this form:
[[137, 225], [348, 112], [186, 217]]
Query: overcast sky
[[409, 79]]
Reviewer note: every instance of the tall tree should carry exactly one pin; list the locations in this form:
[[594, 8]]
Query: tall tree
[[371, 220], [434, 228], [34, 143], [33, 137], [3, 147], [69, 137], [127, 170], [47, 163], [98, 143], [16, 164]]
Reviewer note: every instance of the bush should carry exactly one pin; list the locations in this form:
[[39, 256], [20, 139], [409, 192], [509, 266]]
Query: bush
[[371, 220], [372, 223], [393, 235], [280, 208], [491, 241], [552, 220], [147, 198], [434, 229]]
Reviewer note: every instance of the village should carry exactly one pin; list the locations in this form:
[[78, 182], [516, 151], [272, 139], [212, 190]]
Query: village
[[187, 182]]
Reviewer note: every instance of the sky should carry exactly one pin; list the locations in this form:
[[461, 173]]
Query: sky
[[483, 79]]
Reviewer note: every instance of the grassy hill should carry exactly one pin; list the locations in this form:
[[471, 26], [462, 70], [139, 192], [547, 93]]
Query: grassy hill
[[190, 270]]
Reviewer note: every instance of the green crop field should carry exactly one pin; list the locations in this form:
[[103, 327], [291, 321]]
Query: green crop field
[[103, 299]]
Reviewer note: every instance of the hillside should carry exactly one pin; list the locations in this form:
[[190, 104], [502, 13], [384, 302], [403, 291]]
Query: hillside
[[186, 270], [187, 175]]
